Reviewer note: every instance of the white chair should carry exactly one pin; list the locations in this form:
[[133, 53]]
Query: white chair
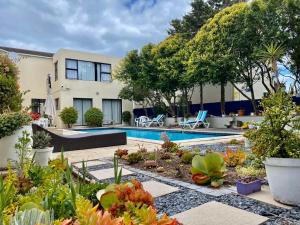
[[141, 121]]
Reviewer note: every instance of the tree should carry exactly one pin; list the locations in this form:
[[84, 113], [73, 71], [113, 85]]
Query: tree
[[170, 57]]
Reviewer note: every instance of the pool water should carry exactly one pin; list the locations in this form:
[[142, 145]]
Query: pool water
[[156, 134]]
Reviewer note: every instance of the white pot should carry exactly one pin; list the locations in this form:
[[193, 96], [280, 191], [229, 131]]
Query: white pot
[[284, 179], [7, 145], [42, 156]]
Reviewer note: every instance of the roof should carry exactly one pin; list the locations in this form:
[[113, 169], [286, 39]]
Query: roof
[[26, 51]]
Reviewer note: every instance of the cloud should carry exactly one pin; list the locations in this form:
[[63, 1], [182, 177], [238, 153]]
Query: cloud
[[110, 27]]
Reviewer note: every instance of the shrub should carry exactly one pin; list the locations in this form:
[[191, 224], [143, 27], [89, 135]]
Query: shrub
[[121, 152], [10, 122], [94, 117], [89, 191], [40, 140], [234, 158], [126, 117], [69, 116], [187, 157], [10, 95], [277, 134], [234, 142], [134, 158]]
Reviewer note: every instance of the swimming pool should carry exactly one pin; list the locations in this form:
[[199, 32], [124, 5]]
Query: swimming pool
[[154, 134]]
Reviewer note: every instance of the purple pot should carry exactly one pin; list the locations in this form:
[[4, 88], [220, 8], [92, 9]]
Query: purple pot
[[248, 188]]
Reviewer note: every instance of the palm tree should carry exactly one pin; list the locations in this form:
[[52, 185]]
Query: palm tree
[[271, 54]]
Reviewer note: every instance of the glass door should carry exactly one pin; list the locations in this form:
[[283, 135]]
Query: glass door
[[112, 111], [82, 105]]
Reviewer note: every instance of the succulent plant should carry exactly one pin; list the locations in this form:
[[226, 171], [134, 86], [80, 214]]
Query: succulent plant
[[32, 217], [234, 158], [121, 152], [40, 140], [208, 169]]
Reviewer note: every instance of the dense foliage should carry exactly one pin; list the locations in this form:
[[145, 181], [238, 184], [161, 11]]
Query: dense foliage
[[10, 95], [69, 116], [126, 117], [94, 117], [277, 134], [12, 121]]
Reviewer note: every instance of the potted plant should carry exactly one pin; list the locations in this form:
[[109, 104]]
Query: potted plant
[[12, 125], [248, 185], [277, 141], [126, 117], [42, 151], [241, 112]]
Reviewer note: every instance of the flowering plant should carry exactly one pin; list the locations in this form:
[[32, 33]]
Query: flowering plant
[[35, 116]]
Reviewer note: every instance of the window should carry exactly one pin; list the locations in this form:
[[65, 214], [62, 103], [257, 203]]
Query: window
[[86, 70], [37, 105], [91, 71], [71, 69], [104, 72], [57, 107], [55, 71]]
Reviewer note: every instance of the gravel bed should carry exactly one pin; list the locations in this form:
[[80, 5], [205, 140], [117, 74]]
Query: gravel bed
[[186, 198], [100, 167], [180, 201], [217, 147]]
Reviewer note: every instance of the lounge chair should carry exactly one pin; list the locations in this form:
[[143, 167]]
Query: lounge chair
[[157, 121], [201, 119], [141, 121]]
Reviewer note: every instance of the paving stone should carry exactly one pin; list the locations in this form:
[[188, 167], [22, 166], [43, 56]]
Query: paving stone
[[89, 163], [265, 196], [215, 213], [108, 173], [156, 188]]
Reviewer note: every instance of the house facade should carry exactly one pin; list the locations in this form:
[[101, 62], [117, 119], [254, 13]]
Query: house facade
[[79, 79]]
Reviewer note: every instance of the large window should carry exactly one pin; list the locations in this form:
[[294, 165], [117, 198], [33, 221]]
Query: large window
[[72, 69], [84, 70], [37, 105]]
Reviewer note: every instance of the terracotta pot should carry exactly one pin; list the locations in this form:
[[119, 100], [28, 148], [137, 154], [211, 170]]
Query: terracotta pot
[[241, 112]]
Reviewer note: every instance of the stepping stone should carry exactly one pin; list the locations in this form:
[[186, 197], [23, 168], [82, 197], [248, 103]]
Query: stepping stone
[[108, 173], [265, 196], [157, 189], [215, 213], [89, 163]]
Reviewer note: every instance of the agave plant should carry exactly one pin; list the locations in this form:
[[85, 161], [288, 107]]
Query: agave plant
[[208, 169], [32, 217]]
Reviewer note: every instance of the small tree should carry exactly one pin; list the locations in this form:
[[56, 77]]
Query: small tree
[[276, 136], [69, 116], [94, 117], [126, 117]]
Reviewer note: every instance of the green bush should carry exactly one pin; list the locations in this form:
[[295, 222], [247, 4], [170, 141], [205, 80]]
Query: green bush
[[94, 117], [40, 140], [69, 116], [10, 95], [10, 122], [134, 158], [277, 134], [187, 157], [126, 117]]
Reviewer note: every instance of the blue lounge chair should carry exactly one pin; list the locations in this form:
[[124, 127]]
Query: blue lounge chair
[[157, 121], [201, 119]]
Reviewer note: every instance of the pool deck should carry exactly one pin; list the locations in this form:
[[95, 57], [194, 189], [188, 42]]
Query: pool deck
[[134, 143]]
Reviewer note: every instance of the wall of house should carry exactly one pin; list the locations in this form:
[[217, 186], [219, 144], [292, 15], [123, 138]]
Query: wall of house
[[97, 91]]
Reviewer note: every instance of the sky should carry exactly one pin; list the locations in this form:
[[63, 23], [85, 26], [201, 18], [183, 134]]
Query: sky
[[111, 27]]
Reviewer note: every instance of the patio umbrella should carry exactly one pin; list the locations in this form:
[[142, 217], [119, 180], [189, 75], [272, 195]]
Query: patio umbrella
[[49, 104]]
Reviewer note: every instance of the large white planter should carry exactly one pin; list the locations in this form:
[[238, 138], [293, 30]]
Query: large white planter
[[284, 179], [42, 156], [7, 145]]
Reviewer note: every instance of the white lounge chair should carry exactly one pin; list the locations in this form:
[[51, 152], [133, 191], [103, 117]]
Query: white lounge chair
[[201, 119], [157, 121], [141, 121]]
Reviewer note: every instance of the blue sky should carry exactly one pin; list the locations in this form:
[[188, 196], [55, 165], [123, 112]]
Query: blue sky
[[110, 27]]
